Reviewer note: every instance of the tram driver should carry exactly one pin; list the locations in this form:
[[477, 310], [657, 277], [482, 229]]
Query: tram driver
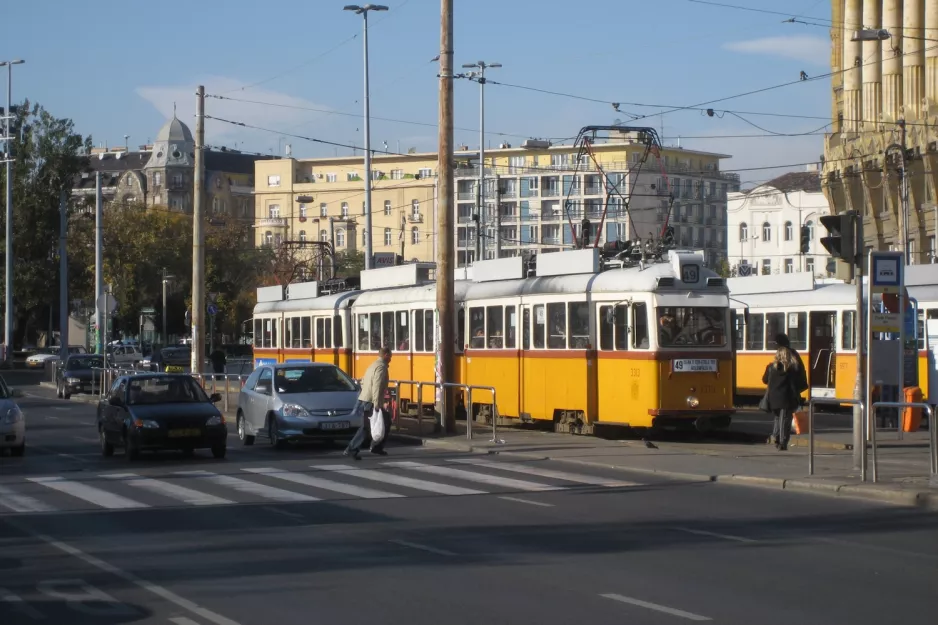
[[667, 328]]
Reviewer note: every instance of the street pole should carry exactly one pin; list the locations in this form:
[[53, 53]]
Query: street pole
[[8, 151], [446, 312], [198, 239], [861, 390], [98, 263], [498, 219], [904, 191], [63, 276], [164, 341], [332, 245], [481, 66]]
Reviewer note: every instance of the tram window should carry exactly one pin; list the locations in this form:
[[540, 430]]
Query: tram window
[[306, 332], [429, 327], [579, 325], [273, 333], [258, 332], [540, 322], [739, 332], [374, 331], [460, 329], [327, 331], [511, 325], [755, 332], [387, 330], [364, 332], [557, 330], [774, 325], [798, 330], [403, 331], [418, 331], [477, 327], [337, 331], [849, 331], [494, 336], [288, 332], [640, 325], [320, 334], [606, 327], [681, 326], [297, 340]]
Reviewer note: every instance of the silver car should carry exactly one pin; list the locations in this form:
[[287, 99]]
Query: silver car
[[12, 422], [298, 401]]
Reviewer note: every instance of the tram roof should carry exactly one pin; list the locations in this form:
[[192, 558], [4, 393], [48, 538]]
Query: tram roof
[[333, 301]]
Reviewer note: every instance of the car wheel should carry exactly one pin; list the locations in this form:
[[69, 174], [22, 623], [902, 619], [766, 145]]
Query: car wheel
[[274, 434], [66, 394], [131, 452], [107, 449], [219, 451], [246, 439], [19, 450], [59, 392]]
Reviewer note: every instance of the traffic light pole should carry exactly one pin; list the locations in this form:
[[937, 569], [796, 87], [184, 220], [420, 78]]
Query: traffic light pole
[[861, 388]]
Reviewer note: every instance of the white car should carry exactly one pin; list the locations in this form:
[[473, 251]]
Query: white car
[[12, 422], [39, 359]]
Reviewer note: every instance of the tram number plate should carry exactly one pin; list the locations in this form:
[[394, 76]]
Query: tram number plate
[[694, 365]]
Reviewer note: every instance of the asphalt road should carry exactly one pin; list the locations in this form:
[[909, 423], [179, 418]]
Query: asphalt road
[[292, 537]]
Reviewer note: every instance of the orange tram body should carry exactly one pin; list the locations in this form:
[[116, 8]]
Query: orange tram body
[[568, 338]]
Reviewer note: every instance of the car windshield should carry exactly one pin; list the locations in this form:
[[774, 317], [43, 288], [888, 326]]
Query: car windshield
[[164, 390], [312, 380], [89, 362], [686, 326]]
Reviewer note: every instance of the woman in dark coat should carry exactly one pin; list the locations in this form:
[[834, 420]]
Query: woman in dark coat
[[783, 378]]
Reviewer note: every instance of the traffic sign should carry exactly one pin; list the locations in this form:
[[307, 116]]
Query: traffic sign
[[106, 303], [212, 309]]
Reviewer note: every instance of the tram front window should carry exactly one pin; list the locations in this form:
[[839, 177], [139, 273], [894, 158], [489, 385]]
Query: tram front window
[[685, 326]]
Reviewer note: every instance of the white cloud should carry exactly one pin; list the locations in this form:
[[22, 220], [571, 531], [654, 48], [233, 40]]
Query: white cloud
[[814, 50], [280, 118], [777, 155]]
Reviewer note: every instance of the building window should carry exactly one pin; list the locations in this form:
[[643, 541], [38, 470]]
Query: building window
[[766, 266], [515, 164], [303, 236], [931, 248], [397, 174], [809, 265], [789, 231], [278, 240], [340, 237], [323, 235], [273, 211], [302, 210], [177, 180], [387, 236], [157, 178], [743, 232], [789, 265], [559, 160], [330, 178], [424, 172], [268, 238], [352, 176], [810, 226], [387, 208], [414, 236], [273, 181], [766, 231], [323, 209], [415, 209], [344, 210], [910, 246]]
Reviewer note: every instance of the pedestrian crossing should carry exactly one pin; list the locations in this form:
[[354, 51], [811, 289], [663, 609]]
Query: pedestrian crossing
[[296, 484]]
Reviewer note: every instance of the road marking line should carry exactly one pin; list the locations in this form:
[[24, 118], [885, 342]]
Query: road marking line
[[316, 482], [473, 477], [398, 480], [90, 494], [154, 589], [739, 539], [251, 488], [50, 417], [439, 552], [59, 408], [533, 503], [167, 489], [892, 550], [286, 513], [21, 503], [183, 620], [657, 607], [541, 472]]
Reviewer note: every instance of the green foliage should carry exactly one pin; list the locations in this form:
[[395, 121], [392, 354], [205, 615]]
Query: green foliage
[[349, 264]]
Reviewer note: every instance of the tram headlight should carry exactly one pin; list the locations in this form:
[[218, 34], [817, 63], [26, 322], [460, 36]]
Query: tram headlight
[[692, 402]]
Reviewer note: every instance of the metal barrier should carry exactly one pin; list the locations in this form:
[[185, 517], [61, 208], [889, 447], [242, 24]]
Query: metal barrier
[[932, 432], [834, 402], [470, 419], [203, 378], [445, 385]]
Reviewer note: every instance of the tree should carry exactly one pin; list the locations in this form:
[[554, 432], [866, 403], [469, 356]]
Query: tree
[[726, 270], [47, 158], [350, 264], [296, 262], [234, 268]]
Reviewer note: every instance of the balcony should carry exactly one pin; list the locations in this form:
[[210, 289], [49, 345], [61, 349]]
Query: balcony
[[464, 219], [550, 241], [551, 192], [508, 193], [415, 218], [271, 222], [466, 195], [530, 217]]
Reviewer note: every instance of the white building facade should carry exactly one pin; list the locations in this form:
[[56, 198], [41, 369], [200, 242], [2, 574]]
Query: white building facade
[[765, 225]]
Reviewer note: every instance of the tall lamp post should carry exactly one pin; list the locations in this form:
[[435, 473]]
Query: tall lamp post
[[481, 66], [167, 278], [363, 11], [8, 159]]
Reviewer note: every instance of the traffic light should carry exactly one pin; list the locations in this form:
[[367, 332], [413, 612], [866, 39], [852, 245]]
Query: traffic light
[[586, 232], [840, 241], [805, 239]]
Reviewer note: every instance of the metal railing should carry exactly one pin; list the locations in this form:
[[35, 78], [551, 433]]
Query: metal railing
[[932, 432], [204, 378], [447, 385], [833, 401]]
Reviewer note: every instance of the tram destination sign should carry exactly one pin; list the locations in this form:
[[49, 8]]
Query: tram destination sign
[[694, 365]]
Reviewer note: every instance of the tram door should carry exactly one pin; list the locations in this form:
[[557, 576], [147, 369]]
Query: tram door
[[821, 351]]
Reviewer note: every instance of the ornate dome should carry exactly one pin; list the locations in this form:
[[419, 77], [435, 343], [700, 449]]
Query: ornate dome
[[174, 131]]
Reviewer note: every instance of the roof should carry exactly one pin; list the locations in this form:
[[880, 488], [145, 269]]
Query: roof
[[232, 162], [174, 131], [797, 181]]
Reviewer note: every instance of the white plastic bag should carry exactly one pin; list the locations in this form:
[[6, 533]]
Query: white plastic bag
[[377, 426]]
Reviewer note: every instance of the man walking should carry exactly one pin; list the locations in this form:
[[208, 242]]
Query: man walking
[[374, 385]]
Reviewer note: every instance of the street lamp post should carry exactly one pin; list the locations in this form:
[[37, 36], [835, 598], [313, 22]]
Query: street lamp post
[[8, 159], [166, 279], [363, 11], [481, 66]]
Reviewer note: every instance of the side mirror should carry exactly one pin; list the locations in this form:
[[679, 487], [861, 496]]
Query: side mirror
[[114, 400], [215, 398], [16, 392], [262, 389]]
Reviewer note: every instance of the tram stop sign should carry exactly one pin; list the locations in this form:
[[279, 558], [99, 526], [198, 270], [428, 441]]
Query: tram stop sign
[[212, 309]]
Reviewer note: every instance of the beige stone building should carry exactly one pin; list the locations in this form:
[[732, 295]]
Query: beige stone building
[[885, 115]]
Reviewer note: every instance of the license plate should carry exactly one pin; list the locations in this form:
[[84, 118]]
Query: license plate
[[174, 369], [335, 425], [184, 433]]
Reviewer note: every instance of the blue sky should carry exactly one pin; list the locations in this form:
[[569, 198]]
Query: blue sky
[[117, 67]]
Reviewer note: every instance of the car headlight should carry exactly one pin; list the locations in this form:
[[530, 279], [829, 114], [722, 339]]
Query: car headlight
[[294, 411], [692, 402], [147, 424], [13, 415], [217, 420], [72, 380]]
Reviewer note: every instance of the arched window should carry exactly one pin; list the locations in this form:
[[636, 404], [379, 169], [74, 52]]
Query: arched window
[[268, 238], [766, 231], [340, 237], [810, 226], [303, 235], [323, 235], [743, 231], [414, 236], [789, 231]]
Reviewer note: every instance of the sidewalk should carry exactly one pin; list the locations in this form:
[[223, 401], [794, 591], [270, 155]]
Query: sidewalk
[[903, 464]]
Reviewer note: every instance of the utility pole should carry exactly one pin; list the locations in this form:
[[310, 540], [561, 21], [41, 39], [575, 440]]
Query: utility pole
[[481, 66], [498, 219], [166, 278], [198, 239], [446, 313], [8, 160], [99, 263], [63, 276], [904, 199], [862, 389]]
